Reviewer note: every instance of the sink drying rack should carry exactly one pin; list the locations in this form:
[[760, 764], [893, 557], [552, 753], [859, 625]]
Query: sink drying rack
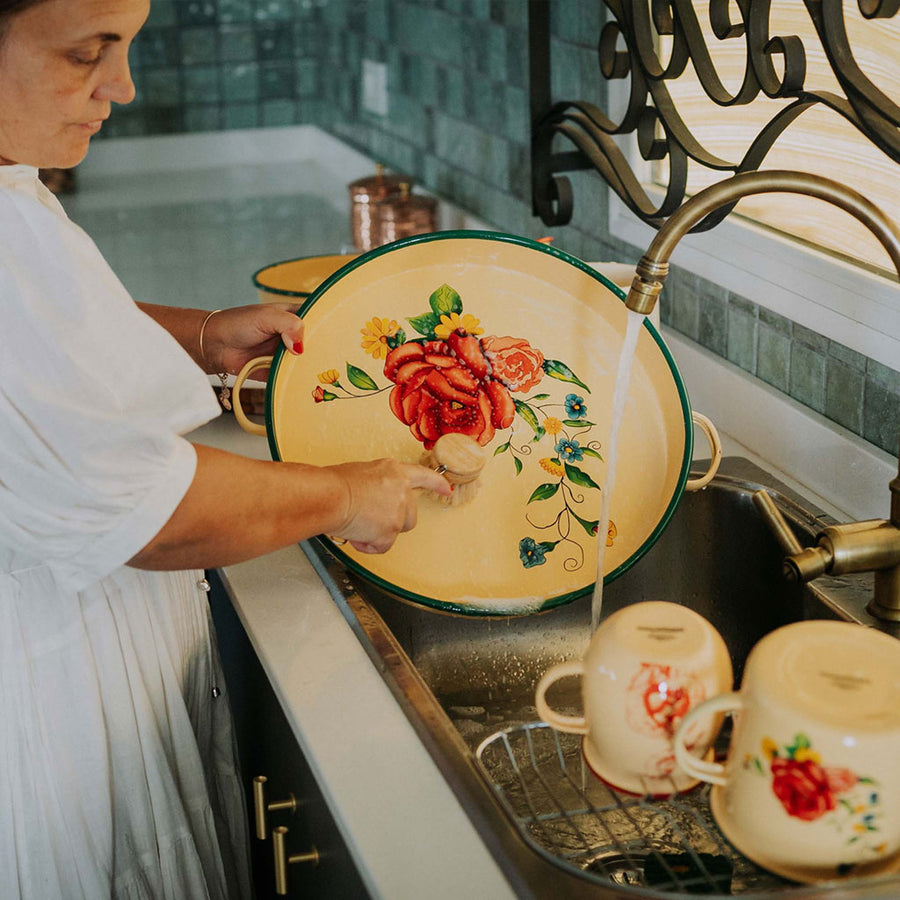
[[568, 815]]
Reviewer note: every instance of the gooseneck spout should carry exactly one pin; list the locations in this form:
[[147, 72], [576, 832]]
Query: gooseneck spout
[[651, 271], [855, 546]]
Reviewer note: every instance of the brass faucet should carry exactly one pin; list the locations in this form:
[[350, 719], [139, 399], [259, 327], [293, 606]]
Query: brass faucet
[[872, 545]]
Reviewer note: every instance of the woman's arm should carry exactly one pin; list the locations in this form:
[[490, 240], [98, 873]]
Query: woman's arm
[[231, 337], [238, 508]]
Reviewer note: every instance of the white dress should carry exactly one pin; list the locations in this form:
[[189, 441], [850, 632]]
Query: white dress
[[117, 762]]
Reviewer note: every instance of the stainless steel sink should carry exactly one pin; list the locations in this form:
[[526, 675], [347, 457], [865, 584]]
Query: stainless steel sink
[[467, 686]]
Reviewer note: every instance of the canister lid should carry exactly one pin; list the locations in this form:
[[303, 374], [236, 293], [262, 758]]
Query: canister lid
[[377, 186], [405, 204]]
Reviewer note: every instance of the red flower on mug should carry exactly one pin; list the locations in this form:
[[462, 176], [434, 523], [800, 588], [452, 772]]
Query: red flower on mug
[[445, 386], [514, 361], [803, 788]]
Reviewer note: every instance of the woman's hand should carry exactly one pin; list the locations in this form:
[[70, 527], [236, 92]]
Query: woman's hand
[[381, 501], [232, 337], [239, 508]]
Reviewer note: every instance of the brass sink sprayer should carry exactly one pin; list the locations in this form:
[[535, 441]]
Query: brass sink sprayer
[[872, 545]]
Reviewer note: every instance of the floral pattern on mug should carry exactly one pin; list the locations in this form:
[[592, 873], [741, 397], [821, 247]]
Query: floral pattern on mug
[[809, 790]]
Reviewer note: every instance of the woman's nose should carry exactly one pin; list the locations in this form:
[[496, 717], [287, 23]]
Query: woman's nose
[[116, 85]]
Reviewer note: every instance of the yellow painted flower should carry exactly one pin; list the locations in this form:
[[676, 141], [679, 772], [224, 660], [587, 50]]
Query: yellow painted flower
[[329, 376], [802, 754], [552, 425], [375, 336], [769, 749], [455, 322], [552, 466], [611, 533]]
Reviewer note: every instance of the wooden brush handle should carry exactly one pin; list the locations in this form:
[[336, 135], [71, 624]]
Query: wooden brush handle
[[459, 458]]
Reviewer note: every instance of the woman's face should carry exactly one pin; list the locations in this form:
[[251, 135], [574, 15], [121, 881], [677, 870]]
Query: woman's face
[[63, 63]]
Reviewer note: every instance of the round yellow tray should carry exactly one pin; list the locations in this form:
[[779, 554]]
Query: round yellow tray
[[516, 344]]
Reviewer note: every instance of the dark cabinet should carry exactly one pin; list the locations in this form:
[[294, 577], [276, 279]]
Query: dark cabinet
[[267, 747]]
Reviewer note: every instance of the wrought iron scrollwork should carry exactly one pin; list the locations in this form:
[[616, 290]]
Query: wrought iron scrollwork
[[775, 65]]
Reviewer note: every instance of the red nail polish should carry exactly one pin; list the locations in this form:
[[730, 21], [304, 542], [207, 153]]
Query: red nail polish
[[298, 347]]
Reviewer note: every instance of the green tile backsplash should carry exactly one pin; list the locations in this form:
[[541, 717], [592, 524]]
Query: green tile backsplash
[[459, 122]]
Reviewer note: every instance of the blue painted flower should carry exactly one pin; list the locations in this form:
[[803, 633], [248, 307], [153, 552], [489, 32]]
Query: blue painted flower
[[531, 553], [569, 450], [575, 408]]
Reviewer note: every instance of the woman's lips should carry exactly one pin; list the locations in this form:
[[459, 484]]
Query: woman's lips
[[92, 127]]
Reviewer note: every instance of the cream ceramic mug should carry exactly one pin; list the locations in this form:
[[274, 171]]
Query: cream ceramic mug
[[646, 666], [811, 786]]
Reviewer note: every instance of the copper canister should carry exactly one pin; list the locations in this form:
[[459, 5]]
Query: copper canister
[[364, 194], [403, 216]]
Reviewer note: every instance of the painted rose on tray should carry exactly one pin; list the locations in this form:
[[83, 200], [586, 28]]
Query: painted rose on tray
[[449, 376]]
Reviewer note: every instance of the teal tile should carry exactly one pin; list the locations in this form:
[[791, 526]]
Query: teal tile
[[307, 78], [742, 334], [274, 10], [237, 43], [847, 356], [196, 12], [279, 112], [162, 87], [713, 322], [773, 355], [162, 13], [234, 11], [274, 42], [881, 374], [807, 376], [202, 118], [681, 291], [775, 322], [240, 82], [201, 85], [240, 115], [276, 80], [155, 47], [810, 339], [844, 390], [198, 46], [881, 417]]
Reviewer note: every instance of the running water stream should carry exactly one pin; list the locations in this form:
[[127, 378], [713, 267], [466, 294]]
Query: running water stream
[[623, 377]]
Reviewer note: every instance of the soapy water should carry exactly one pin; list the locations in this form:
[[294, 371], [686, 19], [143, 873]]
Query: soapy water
[[623, 377]]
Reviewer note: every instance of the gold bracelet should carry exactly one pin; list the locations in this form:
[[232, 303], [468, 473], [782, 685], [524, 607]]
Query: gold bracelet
[[202, 329], [224, 390]]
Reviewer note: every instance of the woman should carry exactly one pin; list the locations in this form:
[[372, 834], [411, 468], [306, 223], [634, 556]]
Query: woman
[[117, 771]]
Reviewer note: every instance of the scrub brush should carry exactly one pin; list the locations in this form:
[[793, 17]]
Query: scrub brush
[[460, 460]]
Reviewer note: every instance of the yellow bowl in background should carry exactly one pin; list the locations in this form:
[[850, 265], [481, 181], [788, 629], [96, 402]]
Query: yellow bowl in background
[[296, 277]]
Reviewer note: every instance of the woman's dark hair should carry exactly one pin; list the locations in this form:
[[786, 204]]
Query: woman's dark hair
[[8, 8]]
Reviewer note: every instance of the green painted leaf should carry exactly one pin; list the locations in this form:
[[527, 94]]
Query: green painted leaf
[[395, 340], [575, 475], [528, 414], [589, 526], [538, 434], [518, 463], [547, 546], [556, 369], [360, 379], [445, 301], [539, 397], [578, 423], [502, 448], [544, 491], [587, 451], [425, 324]]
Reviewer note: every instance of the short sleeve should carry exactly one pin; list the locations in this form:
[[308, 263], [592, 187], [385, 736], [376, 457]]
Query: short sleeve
[[95, 398]]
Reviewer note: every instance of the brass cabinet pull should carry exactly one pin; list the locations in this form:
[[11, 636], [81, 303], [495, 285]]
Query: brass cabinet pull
[[261, 808], [283, 860]]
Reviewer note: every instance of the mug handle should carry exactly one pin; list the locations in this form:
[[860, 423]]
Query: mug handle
[[570, 724], [712, 772], [254, 364], [715, 446]]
